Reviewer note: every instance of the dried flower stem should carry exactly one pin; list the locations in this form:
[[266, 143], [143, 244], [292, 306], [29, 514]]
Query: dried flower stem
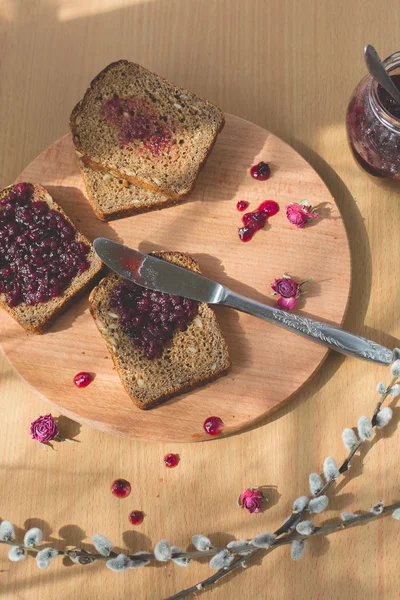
[[244, 551], [214, 578], [293, 520], [325, 530], [288, 539]]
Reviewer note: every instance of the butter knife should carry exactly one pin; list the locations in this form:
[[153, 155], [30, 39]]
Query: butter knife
[[162, 276]]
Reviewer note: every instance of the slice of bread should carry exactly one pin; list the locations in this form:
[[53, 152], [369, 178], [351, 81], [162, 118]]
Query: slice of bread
[[38, 318], [194, 357], [144, 129], [112, 197]]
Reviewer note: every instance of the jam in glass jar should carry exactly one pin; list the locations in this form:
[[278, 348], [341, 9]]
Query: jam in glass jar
[[373, 125]]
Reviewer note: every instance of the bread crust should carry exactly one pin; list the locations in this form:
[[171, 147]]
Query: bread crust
[[129, 211]]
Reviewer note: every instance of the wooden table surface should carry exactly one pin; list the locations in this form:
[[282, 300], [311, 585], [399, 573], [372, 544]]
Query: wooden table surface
[[290, 67]]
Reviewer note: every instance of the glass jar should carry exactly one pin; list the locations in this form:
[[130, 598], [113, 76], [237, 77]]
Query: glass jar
[[373, 125]]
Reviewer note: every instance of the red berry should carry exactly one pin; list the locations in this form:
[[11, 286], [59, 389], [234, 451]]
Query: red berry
[[261, 171], [171, 460], [269, 208], [82, 379], [121, 488], [150, 318], [213, 425], [136, 517], [246, 233], [255, 220], [242, 205]]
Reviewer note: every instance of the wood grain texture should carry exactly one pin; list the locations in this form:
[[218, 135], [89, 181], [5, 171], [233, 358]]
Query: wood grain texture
[[206, 228], [290, 67]]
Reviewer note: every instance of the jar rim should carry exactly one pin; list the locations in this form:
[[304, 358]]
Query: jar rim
[[390, 63]]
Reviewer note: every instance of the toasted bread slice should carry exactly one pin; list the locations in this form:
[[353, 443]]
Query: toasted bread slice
[[37, 318], [112, 197], [194, 356], [144, 129]]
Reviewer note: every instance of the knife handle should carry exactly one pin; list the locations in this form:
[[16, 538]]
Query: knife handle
[[322, 333]]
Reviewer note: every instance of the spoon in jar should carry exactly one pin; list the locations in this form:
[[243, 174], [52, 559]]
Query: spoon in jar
[[378, 72]]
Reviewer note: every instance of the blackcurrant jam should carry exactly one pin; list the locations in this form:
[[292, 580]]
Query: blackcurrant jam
[[373, 125], [39, 251], [150, 318]]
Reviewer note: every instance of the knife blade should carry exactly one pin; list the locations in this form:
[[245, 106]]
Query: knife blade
[[163, 276], [156, 274]]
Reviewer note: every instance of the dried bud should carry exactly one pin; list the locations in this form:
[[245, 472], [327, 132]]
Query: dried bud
[[81, 557], [201, 542], [364, 427], [251, 499], [162, 551], [221, 560], [331, 470], [349, 438], [297, 548], [7, 531], [45, 556], [300, 213], [263, 540], [119, 563], [346, 516], [182, 561], [396, 514], [316, 483], [102, 544], [378, 508], [16, 553], [381, 387], [33, 537], [395, 368], [383, 417], [318, 504], [300, 504], [85, 560], [305, 528], [395, 390]]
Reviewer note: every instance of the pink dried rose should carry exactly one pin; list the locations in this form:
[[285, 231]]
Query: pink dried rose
[[300, 214], [44, 429], [251, 499], [288, 290]]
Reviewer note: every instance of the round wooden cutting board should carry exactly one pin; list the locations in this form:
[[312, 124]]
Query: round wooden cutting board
[[268, 363]]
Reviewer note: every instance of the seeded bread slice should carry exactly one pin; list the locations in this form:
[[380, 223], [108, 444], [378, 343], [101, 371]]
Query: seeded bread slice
[[114, 198], [39, 317], [194, 357], [190, 124]]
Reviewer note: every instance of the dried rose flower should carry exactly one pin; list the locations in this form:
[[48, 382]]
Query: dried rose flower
[[288, 289], [251, 499], [300, 213], [44, 429]]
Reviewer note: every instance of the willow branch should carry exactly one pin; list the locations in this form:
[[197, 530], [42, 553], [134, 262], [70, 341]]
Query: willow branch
[[240, 555], [214, 578], [324, 530], [296, 517]]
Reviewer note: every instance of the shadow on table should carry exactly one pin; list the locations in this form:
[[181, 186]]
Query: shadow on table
[[68, 428]]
